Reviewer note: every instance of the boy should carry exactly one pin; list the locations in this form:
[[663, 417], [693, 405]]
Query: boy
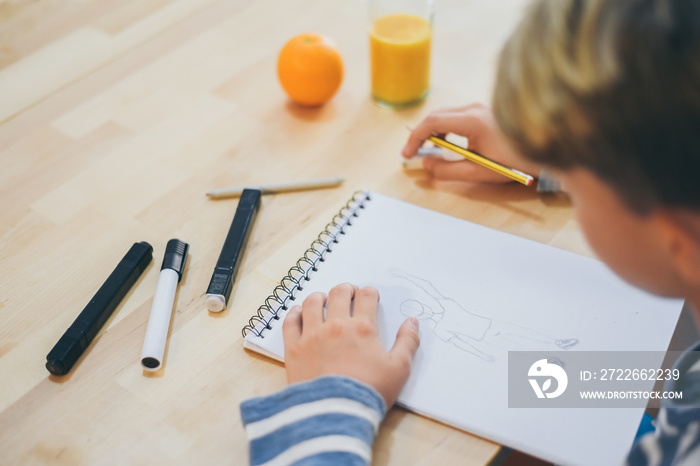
[[605, 94]]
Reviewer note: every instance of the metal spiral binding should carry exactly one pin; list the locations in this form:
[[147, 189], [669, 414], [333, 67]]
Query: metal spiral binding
[[300, 272]]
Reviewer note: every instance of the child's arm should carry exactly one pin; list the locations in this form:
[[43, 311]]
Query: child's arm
[[477, 124], [342, 381], [328, 420]]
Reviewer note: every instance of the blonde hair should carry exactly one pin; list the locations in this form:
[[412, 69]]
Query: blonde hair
[[612, 86]]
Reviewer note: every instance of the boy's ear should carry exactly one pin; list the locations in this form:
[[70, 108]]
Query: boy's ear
[[681, 237]]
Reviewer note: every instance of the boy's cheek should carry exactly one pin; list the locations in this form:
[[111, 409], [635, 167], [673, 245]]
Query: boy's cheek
[[608, 228], [616, 244], [627, 243]]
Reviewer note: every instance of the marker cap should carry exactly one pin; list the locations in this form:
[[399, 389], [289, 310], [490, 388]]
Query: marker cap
[[216, 302], [175, 256]]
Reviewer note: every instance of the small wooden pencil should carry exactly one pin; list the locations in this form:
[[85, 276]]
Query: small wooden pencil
[[511, 173], [278, 187], [504, 170]]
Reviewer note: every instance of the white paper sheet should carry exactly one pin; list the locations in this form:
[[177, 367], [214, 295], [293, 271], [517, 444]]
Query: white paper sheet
[[480, 293]]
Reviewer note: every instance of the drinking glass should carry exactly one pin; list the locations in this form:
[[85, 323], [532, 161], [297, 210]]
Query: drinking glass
[[400, 35]]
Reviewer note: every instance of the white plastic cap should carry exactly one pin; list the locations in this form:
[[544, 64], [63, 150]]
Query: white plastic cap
[[215, 302]]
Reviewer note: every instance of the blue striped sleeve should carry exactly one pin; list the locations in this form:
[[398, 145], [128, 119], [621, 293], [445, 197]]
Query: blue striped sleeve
[[676, 438], [328, 420]]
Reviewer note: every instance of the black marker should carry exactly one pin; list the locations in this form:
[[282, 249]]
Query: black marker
[[230, 258], [81, 332]]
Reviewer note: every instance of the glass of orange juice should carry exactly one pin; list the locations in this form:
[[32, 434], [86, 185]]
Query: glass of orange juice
[[400, 35]]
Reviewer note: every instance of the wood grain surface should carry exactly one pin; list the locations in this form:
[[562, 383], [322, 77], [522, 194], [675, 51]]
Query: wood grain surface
[[116, 117]]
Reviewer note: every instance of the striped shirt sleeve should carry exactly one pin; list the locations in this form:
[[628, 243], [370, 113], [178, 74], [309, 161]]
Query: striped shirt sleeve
[[676, 439], [328, 420]]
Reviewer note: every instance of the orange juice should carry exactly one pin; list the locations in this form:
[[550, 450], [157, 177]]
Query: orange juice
[[400, 54]]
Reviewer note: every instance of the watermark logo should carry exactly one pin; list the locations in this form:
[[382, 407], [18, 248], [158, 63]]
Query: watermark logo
[[546, 371], [592, 379]]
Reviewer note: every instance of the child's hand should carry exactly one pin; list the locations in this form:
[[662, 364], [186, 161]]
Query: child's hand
[[476, 122], [346, 344]]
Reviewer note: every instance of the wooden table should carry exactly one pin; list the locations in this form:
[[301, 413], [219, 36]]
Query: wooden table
[[116, 117]]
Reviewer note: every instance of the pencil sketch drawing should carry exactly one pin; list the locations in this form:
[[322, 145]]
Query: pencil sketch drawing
[[474, 333]]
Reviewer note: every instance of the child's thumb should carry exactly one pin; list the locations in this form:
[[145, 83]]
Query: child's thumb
[[407, 340]]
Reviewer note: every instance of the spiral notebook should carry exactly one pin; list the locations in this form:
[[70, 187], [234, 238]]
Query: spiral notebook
[[479, 293]]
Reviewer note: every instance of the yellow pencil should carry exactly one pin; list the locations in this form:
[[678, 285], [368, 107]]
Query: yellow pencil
[[511, 173]]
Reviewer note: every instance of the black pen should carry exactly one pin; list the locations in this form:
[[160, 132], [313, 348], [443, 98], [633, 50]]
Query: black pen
[[81, 332], [229, 261]]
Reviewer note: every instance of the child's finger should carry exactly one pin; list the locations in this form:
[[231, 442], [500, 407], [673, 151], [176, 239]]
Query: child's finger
[[366, 300], [406, 345], [435, 123], [461, 171], [466, 123], [312, 311], [291, 328], [340, 301]]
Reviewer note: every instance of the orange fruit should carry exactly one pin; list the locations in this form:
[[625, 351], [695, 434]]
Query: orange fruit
[[310, 69]]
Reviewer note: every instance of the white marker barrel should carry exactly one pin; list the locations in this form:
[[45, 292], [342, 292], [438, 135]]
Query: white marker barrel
[[162, 307], [159, 321]]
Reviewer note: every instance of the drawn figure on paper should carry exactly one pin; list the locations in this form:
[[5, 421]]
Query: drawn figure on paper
[[473, 333]]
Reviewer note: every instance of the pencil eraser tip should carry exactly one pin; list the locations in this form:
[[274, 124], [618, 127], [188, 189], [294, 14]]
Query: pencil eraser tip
[[215, 302]]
